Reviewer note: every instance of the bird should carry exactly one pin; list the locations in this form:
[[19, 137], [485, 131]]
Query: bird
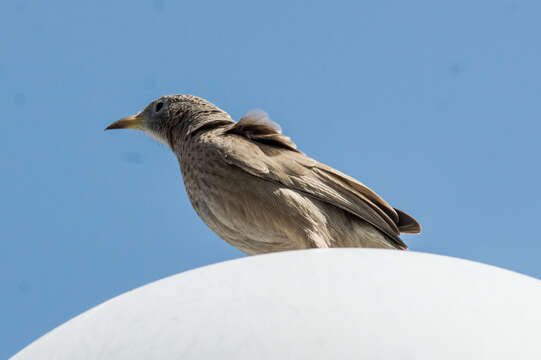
[[252, 187]]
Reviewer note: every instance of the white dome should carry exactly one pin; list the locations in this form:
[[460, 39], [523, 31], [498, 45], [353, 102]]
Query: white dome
[[313, 304]]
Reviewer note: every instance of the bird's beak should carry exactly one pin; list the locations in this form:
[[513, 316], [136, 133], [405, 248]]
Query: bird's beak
[[130, 122]]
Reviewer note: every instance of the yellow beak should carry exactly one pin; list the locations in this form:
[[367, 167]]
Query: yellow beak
[[130, 122]]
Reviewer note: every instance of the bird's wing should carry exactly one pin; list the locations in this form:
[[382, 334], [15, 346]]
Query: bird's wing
[[263, 151]]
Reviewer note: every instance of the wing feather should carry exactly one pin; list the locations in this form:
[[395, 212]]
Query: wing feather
[[277, 161], [256, 125]]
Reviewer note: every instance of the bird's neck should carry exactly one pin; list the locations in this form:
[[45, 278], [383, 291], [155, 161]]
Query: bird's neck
[[189, 131], [205, 122], [199, 122]]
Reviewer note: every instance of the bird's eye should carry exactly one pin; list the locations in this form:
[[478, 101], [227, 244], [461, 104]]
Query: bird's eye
[[158, 107]]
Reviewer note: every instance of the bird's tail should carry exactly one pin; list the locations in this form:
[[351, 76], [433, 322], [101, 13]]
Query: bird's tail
[[407, 224]]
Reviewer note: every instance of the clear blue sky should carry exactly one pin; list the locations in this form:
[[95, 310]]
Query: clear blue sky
[[435, 105]]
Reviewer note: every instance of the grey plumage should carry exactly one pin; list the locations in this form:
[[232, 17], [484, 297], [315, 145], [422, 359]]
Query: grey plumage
[[252, 187]]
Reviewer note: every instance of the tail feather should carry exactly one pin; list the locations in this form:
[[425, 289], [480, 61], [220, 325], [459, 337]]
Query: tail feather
[[407, 224]]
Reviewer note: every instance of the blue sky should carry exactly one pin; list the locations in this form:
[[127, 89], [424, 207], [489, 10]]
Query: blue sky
[[435, 105]]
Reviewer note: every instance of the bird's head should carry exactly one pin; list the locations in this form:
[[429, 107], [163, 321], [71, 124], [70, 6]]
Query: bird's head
[[172, 118]]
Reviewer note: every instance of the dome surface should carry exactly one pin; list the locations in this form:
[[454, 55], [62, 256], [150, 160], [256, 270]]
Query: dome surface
[[313, 304]]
